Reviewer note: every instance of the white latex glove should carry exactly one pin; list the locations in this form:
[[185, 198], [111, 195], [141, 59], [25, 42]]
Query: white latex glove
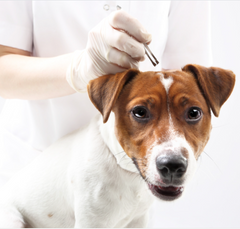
[[114, 45]]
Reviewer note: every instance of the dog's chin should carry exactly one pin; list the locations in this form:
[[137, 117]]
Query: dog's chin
[[168, 193]]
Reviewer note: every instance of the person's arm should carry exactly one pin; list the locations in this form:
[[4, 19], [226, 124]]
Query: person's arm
[[25, 77], [111, 48]]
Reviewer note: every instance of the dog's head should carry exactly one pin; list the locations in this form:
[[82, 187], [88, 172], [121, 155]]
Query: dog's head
[[163, 119]]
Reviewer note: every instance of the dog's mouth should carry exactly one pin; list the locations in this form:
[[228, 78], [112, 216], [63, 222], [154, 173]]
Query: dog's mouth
[[166, 193]]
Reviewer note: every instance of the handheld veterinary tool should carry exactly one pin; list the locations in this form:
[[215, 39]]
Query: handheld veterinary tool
[[147, 49], [148, 52]]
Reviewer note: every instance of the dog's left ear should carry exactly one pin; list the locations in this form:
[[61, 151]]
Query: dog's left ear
[[104, 91], [216, 84]]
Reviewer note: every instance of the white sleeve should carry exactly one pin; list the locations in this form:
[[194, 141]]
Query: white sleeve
[[189, 40], [16, 24]]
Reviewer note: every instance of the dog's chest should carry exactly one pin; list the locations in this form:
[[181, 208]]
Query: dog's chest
[[134, 204], [114, 196], [130, 199]]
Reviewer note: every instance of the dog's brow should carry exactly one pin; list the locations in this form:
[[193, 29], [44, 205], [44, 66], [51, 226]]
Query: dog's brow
[[150, 100], [184, 101]]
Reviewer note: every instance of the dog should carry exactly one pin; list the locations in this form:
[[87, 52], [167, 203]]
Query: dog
[[144, 145]]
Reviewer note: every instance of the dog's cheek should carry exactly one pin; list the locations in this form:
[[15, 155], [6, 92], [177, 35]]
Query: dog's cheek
[[198, 135], [123, 135], [132, 142], [130, 135]]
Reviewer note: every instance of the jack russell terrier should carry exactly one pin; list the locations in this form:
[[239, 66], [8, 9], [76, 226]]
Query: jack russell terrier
[[153, 128]]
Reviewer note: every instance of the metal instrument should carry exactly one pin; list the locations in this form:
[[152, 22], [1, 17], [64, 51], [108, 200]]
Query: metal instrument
[[148, 53]]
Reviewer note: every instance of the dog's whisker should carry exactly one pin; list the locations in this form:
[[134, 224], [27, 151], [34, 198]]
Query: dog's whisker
[[141, 162], [119, 153], [140, 159], [122, 158], [199, 163], [213, 161], [146, 179]]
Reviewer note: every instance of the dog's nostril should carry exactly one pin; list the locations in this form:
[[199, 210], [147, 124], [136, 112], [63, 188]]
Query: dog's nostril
[[170, 167], [164, 171]]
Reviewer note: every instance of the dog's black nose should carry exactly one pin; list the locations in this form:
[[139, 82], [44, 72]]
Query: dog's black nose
[[171, 167]]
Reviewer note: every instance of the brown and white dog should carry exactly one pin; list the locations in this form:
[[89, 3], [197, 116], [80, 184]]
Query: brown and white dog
[[105, 175]]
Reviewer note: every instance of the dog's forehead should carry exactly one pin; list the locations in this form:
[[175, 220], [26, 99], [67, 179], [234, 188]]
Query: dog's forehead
[[169, 77], [160, 88], [162, 81]]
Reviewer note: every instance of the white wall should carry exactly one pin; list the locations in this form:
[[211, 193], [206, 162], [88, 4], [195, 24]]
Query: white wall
[[213, 198]]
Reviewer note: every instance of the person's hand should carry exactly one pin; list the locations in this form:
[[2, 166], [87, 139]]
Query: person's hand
[[114, 45]]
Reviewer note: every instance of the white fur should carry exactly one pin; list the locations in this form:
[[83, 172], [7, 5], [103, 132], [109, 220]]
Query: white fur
[[166, 82], [78, 182]]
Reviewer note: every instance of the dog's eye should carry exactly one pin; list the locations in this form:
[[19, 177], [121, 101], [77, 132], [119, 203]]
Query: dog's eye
[[194, 114], [140, 113]]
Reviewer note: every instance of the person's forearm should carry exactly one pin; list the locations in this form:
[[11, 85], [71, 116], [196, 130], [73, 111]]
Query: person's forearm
[[33, 78]]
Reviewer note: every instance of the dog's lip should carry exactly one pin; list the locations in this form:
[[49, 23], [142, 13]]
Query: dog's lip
[[166, 192]]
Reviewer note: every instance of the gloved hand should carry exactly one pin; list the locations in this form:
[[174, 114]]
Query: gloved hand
[[114, 45]]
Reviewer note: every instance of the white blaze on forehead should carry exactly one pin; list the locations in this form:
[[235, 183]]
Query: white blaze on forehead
[[166, 82]]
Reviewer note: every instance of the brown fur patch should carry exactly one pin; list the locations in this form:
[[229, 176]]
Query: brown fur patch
[[50, 215]]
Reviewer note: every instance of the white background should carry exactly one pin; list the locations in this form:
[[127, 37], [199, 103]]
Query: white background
[[213, 198]]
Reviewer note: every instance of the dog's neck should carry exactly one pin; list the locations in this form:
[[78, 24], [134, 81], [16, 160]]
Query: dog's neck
[[108, 133]]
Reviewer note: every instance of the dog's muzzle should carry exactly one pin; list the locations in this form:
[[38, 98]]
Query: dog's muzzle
[[171, 169]]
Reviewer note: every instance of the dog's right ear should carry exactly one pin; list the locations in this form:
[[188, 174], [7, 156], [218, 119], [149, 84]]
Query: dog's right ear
[[104, 91], [216, 84]]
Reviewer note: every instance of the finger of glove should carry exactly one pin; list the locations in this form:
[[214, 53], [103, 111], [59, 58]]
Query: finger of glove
[[121, 20], [121, 59], [124, 43]]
